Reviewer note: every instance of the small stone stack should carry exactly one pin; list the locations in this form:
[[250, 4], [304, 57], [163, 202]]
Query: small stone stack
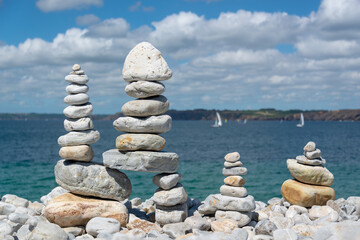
[[312, 182], [233, 202], [139, 148]]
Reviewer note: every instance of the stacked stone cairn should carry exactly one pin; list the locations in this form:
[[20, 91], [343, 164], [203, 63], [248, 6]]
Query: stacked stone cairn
[[139, 148], [312, 182], [86, 187], [233, 205]]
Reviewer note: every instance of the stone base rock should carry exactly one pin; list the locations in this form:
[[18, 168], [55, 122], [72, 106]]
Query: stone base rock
[[174, 214], [139, 141], [174, 196], [153, 124]]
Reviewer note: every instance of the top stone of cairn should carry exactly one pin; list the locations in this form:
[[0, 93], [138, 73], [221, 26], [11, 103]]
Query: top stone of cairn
[[144, 62]]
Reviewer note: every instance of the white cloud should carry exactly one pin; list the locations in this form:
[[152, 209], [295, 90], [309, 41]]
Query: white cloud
[[60, 5], [88, 19], [138, 6], [113, 27]]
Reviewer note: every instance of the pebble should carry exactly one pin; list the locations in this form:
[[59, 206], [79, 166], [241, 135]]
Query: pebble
[[313, 154], [313, 162], [310, 146], [83, 153], [76, 67], [144, 62], [146, 107], [285, 234], [78, 124], [282, 222], [77, 79], [15, 200], [78, 111], [76, 99], [233, 191], [57, 191], [144, 89], [143, 225], [235, 181], [153, 124], [174, 196], [76, 231], [172, 214], [265, 227], [175, 230], [219, 202], [232, 157], [232, 164], [197, 222], [24, 231], [143, 161], [101, 224], [18, 217], [166, 180], [76, 88], [79, 138], [224, 225], [45, 230], [235, 171], [6, 208], [242, 218], [342, 230], [138, 141], [92, 179], [319, 211], [5, 229]]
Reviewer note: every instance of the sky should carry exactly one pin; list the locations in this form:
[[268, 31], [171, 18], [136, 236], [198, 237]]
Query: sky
[[224, 54]]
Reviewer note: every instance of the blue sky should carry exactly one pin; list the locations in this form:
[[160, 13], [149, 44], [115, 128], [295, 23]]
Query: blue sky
[[225, 54]]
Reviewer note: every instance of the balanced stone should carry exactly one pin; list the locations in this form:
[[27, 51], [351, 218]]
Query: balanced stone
[[78, 124], [76, 99], [235, 171], [101, 224], [153, 124], [79, 138], [69, 210], [313, 154], [138, 141], [232, 164], [76, 67], [79, 72], [310, 146], [83, 153], [144, 89], [78, 111], [143, 161], [317, 175], [171, 214], [146, 107], [232, 157], [313, 162], [242, 218], [233, 191], [76, 88], [236, 181], [92, 179], [166, 180], [174, 196], [78, 79], [144, 62], [306, 195]]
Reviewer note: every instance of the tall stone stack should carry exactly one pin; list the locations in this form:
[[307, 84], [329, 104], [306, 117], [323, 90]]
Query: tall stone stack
[[139, 148], [312, 182]]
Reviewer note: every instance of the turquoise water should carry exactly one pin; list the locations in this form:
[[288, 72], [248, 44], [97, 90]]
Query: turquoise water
[[29, 151]]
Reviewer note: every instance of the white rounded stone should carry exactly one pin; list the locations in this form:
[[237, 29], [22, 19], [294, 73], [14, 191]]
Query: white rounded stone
[[171, 214], [242, 218], [78, 79], [174, 196], [232, 157], [78, 124], [313, 154], [235, 171], [76, 67], [166, 180], [79, 138], [146, 107], [232, 164], [78, 111], [144, 89], [233, 191], [310, 146], [83, 153], [76, 99], [139, 141], [101, 224], [76, 88], [153, 124]]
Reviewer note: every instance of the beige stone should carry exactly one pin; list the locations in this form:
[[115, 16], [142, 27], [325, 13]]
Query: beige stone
[[232, 157], [146, 107], [317, 175], [143, 225], [233, 191], [224, 225], [83, 153], [69, 210], [235, 181], [306, 195], [138, 141]]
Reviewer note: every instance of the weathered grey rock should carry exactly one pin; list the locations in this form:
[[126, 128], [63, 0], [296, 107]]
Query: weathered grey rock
[[76, 231], [235, 171], [279, 209], [282, 222], [219, 202], [313, 154], [142, 225], [79, 138], [316, 175], [144, 89], [341, 230], [78, 111], [15, 200], [153, 124], [166, 180], [99, 224], [85, 237], [91, 179], [6, 208], [242, 218], [5, 229], [175, 230], [36, 207], [78, 124], [146, 107], [83, 153], [235, 181], [232, 164], [319, 211], [174, 196], [174, 214], [139, 141], [265, 227], [54, 193], [24, 231], [76, 99], [233, 191], [76, 67], [46, 230], [197, 222], [285, 234], [78, 79], [232, 157], [143, 161], [144, 62], [310, 146], [313, 162], [78, 72], [18, 217], [76, 88], [223, 225]]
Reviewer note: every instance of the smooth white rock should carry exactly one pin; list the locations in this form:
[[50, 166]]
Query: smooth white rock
[[154, 124], [313, 162], [79, 138], [6, 208], [101, 224], [173, 214], [76, 67], [342, 230], [76, 99], [316, 212], [15, 200], [79, 72], [78, 111], [144, 89], [166, 180], [174, 196], [313, 154], [144, 62], [242, 218], [5, 229], [219, 202], [45, 230], [57, 191], [76, 88], [197, 222], [18, 217], [285, 234], [78, 124], [233, 191], [232, 164], [235, 171], [78, 79], [310, 146], [175, 230], [232, 157], [140, 141], [146, 107]]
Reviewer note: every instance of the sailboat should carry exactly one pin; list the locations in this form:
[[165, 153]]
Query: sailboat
[[245, 121], [301, 124], [218, 122]]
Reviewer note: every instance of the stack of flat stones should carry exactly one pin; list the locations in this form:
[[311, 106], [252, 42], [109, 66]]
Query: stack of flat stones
[[233, 202], [140, 147], [312, 182]]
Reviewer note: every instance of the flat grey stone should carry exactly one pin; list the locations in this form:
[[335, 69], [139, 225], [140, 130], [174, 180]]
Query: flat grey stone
[[144, 62], [78, 124], [285, 234], [313, 162], [76, 67], [140, 141], [265, 227], [197, 222], [15, 200], [233, 191], [174, 196], [92, 179], [166, 180], [76, 99], [18, 217], [235, 171], [76, 88], [175, 230], [174, 214], [79, 72], [313, 154], [5, 229], [144, 89], [79, 138], [101, 224], [6, 208], [243, 218], [24, 231], [78, 79], [45, 230], [310, 146], [78, 111], [146, 107], [153, 124], [142, 161], [232, 157], [232, 164]]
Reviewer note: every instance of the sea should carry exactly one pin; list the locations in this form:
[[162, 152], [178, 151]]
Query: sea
[[29, 152]]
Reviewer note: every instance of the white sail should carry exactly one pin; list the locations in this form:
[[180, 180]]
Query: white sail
[[218, 122], [302, 122], [245, 121]]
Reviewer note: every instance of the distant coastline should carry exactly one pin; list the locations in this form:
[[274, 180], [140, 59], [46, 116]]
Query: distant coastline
[[230, 115]]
